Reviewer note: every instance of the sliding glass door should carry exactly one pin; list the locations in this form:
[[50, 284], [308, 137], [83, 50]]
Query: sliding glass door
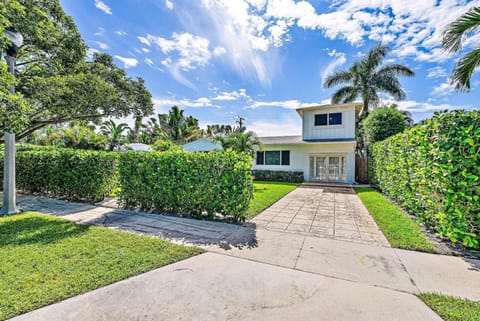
[[327, 168]]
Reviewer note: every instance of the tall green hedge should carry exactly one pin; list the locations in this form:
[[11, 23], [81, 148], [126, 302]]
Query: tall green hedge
[[71, 174], [433, 170], [190, 184]]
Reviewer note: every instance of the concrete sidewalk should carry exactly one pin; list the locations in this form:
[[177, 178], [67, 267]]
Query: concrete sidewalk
[[253, 272]]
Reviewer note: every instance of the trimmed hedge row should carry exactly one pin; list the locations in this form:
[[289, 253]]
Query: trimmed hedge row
[[190, 184], [278, 176], [71, 174], [433, 170]]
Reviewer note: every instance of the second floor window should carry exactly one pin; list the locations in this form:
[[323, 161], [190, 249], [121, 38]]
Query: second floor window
[[328, 119]]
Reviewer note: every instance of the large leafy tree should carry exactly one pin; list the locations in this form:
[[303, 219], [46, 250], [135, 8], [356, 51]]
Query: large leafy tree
[[453, 37], [368, 77], [55, 83]]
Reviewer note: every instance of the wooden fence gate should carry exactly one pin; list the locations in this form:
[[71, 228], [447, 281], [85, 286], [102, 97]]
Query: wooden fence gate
[[361, 170]]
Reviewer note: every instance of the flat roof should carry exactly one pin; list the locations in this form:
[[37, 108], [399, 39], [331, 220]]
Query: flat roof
[[358, 107], [297, 139]]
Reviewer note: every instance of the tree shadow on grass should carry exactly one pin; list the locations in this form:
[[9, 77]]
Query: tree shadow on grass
[[31, 230]]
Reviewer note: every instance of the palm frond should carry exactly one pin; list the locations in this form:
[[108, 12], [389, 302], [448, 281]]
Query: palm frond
[[463, 70], [345, 94], [337, 78], [375, 56], [397, 70], [458, 29]]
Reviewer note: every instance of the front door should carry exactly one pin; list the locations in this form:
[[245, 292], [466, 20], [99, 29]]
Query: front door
[[326, 168]]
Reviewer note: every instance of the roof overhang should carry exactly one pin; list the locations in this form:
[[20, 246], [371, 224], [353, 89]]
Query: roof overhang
[[357, 105]]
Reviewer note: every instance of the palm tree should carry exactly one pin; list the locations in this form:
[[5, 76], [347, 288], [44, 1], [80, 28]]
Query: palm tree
[[453, 36], [246, 142], [135, 132], [114, 133], [177, 128], [368, 77]]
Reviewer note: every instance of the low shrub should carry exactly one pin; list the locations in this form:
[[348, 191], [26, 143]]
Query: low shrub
[[190, 184], [70, 174], [433, 170], [278, 176]]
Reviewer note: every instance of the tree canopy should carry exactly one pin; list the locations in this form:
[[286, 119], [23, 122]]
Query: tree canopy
[[55, 82], [367, 77], [453, 37], [383, 123]]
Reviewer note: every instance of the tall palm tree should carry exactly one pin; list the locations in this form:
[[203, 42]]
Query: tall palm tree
[[453, 36], [135, 132], [177, 128], [114, 133], [246, 142], [368, 77]]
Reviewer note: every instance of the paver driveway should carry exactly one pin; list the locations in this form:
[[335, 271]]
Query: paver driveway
[[323, 211]]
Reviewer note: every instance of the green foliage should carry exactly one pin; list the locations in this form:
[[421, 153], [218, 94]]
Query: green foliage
[[47, 259], [75, 136], [381, 124], [114, 134], [398, 228], [71, 174], [163, 145], [367, 77], [433, 171], [451, 308], [267, 193], [239, 141], [456, 33], [190, 184], [55, 83], [278, 176]]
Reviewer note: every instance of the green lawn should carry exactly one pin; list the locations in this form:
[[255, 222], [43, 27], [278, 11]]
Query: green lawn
[[267, 193], [400, 230], [44, 259], [452, 309]]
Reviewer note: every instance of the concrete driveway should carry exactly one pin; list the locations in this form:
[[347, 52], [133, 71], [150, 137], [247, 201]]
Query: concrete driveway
[[330, 212], [268, 272]]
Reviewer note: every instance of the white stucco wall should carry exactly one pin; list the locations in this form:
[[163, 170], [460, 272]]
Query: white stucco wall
[[300, 153], [345, 130]]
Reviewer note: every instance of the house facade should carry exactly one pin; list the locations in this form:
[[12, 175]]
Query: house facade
[[325, 152]]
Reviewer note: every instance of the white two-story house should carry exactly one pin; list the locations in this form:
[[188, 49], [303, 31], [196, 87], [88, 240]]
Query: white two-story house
[[325, 152]]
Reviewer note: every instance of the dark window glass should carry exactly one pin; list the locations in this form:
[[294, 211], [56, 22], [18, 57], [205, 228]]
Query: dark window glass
[[260, 159], [285, 157], [321, 120], [335, 119], [272, 157]]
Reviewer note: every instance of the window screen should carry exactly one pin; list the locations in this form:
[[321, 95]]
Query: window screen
[[272, 157], [260, 158], [335, 119], [321, 120], [285, 157]]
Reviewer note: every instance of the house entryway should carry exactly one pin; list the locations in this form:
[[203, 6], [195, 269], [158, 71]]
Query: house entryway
[[328, 168]]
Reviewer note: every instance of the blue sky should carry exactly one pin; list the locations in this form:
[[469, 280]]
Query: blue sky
[[261, 59]]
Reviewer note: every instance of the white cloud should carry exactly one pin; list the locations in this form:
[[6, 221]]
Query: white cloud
[[334, 64], [144, 40], [91, 52], [163, 104], [218, 51], [102, 6], [286, 104], [233, 95], [424, 107], [437, 72], [100, 32], [120, 33], [127, 62], [442, 90], [102, 45], [279, 127], [146, 50], [184, 50], [149, 62], [169, 4]]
